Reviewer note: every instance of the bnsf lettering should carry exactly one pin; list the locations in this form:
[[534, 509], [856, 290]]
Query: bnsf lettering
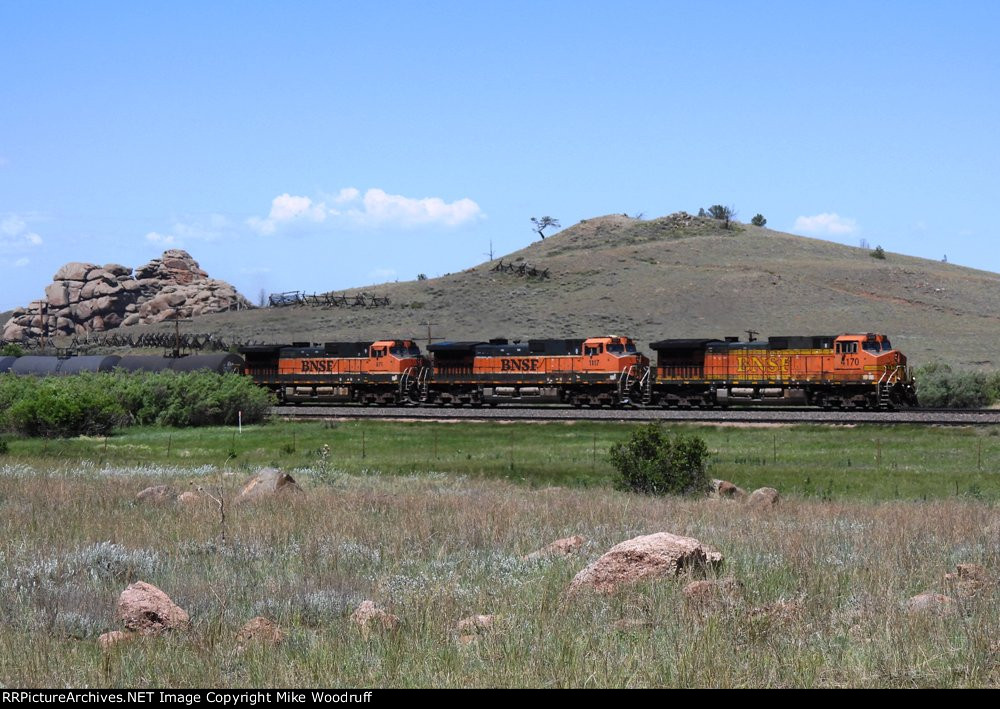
[[763, 365], [314, 366], [518, 365]]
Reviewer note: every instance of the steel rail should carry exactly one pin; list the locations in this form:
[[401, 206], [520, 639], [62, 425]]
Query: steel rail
[[945, 417]]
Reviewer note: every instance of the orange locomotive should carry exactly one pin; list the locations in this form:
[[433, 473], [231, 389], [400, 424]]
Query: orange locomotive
[[858, 370], [594, 371], [382, 372]]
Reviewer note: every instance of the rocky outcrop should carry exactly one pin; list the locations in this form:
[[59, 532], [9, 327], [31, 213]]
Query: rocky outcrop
[[85, 297], [645, 558]]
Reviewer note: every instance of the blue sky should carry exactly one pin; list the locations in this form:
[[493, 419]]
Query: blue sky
[[329, 145]]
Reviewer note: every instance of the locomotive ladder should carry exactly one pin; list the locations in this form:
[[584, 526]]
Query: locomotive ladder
[[882, 389], [646, 386], [625, 383]]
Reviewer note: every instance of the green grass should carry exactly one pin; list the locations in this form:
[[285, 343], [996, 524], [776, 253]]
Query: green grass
[[862, 462]]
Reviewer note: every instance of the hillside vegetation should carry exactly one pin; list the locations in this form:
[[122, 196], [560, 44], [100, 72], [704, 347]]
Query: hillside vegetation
[[675, 276]]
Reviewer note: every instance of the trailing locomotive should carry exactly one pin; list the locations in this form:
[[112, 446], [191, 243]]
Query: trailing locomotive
[[595, 371], [598, 371], [383, 372]]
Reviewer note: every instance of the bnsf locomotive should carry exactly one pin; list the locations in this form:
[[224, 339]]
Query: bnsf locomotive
[[856, 370]]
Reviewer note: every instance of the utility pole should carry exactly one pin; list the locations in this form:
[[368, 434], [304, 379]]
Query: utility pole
[[177, 335], [429, 338], [490, 254]]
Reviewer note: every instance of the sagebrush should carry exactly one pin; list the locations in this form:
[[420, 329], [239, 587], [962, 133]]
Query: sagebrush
[[656, 462]]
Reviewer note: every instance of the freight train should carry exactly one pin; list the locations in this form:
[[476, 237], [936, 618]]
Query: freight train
[[848, 370]]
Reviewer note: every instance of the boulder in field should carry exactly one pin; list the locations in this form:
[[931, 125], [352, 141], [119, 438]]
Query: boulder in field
[[109, 641], [476, 624], [157, 495], [147, 610], [711, 593], [560, 547], [645, 558], [929, 602], [369, 617], [725, 490], [268, 483], [763, 498], [259, 632]]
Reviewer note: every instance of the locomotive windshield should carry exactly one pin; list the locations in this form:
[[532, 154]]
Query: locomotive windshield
[[620, 350], [873, 346], [401, 351]]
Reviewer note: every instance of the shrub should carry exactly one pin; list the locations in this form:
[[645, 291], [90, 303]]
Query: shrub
[[940, 387], [758, 220], [94, 404], [655, 462], [878, 253]]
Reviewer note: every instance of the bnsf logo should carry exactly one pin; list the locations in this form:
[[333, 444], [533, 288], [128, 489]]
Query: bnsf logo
[[312, 366], [763, 365], [518, 365]]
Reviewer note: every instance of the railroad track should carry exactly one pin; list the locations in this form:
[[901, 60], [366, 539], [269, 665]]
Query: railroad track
[[945, 417]]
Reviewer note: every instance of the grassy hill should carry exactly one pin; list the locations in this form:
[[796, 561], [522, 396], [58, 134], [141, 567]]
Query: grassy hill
[[675, 276]]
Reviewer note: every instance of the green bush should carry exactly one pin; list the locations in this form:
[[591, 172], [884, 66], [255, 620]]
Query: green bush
[[59, 407], [938, 387], [95, 404], [758, 220], [879, 253], [655, 462]]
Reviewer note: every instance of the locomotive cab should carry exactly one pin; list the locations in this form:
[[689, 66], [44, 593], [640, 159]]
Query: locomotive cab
[[611, 354], [393, 356], [870, 357]]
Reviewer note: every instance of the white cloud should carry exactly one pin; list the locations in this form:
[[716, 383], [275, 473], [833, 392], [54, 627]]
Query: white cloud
[[348, 194], [376, 208], [16, 235], [22, 262], [827, 223], [382, 208], [287, 208], [162, 239]]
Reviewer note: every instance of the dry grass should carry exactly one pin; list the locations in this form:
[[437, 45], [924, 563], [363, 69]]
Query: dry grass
[[824, 587]]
